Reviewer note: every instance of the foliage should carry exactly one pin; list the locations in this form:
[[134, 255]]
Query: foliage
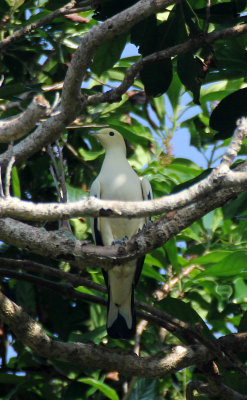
[[214, 293]]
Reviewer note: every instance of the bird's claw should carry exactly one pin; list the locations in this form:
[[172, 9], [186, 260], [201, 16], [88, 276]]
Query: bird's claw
[[120, 241]]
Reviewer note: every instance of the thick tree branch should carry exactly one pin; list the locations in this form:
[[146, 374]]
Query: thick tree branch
[[19, 125], [112, 27], [49, 132], [179, 328], [222, 177], [59, 246], [72, 103], [212, 391], [31, 334]]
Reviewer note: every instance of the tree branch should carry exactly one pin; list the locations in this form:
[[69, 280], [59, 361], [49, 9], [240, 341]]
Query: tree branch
[[179, 328], [212, 391], [59, 246], [42, 21], [72, 103], [194, 43], [19, 125], [220, 178], [31, 334]]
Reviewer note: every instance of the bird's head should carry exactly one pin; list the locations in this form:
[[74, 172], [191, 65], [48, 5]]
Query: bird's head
[[110, 139]]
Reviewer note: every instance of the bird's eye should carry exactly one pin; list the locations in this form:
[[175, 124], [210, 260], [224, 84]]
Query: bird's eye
[[111, 133]]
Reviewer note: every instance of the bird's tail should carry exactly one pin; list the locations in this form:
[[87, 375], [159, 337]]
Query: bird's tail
[[121, 319]]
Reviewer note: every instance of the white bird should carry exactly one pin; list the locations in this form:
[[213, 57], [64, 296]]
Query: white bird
[[118, 181]]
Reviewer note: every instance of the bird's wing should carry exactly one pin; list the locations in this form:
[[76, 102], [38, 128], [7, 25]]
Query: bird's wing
[[147, 194], [146, 189], [95, 192]]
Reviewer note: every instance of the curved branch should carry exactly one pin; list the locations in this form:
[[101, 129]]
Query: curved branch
[[72, 103], [19, 125], [114, 95], [112, 27], [50, 131], [220, 178], [60, 246], [179, 328], [31, 334], [94, 207]]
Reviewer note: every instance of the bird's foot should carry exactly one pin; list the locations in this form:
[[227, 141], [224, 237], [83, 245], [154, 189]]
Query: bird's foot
[[120, 241]]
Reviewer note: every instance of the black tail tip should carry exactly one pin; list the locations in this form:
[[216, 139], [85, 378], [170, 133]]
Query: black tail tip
[[120, 330]]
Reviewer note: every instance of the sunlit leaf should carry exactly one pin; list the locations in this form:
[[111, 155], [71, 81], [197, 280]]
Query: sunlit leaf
[[102, 387]]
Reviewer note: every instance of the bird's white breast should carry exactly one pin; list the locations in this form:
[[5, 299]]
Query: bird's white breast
[[118, 181]]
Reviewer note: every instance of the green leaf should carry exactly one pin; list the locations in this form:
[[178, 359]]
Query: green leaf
[[108, 54], [223, 118], [240, 294], [172, 251], [174, 92], [190, 72], [157, 77], [75, 194], [243, 323], [105, 389], [80, 228], [231, 265], [183, 311], [89, 155], [151, 272], [15, 182], [9, 91], [213, 220], [146, 389], [74, 391], [15, 4], [212, 257]]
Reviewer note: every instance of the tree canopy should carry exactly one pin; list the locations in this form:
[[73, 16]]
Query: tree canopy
[[147, 68]]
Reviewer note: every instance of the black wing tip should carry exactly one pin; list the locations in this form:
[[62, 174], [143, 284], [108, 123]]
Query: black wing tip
[[120, 330]]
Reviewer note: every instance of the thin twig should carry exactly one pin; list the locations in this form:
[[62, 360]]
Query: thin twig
[[1, 183], [41, 22], [174, 325], [54, 162], [8, 175], [62, 175], [52, 171], [207, 16]]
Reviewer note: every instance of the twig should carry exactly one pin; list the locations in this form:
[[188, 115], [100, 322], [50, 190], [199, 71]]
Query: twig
[[64, 289], [130, 388], [54, 177], [8, 175], [42, 21], [1, 183], [192, 44], [239, 135], [62, 175], [32, 266], [207, 16], [140, 328], [57, 176]]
